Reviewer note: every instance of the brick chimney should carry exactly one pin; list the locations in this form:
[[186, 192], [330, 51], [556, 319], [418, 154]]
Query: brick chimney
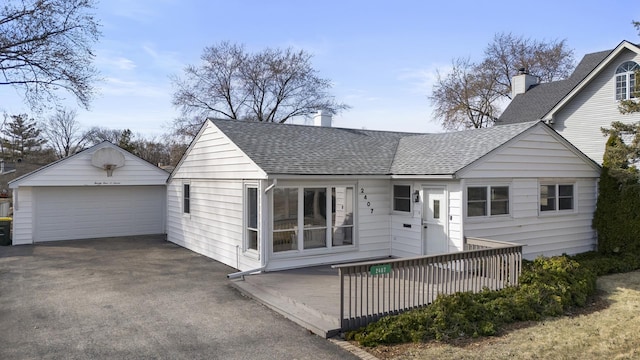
[[522, 82], [322, 118]]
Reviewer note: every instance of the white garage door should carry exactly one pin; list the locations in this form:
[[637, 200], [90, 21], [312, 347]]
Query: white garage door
[[67, 213]]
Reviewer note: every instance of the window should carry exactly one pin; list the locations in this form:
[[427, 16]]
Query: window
[[556, 197], [487, 200], [186, 204], [315, 218], [325, 215], [342, 215], [285, 219], [436, 209], [402, 198], [626, 80], [252, 218]]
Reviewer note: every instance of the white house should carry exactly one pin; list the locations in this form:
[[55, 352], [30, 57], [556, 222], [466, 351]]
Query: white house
[[274, 196], [102, 191], [582, 104]]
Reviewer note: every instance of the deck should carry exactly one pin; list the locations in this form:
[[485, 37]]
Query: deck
[[309, 297], [330, 299]]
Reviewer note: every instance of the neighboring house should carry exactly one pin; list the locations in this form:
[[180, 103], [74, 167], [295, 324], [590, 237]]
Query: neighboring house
[[274, 196], [102, 191], [582, 104]]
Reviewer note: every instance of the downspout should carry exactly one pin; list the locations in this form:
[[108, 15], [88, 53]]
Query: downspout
[[266, 228], [273, 184], [463, 206]]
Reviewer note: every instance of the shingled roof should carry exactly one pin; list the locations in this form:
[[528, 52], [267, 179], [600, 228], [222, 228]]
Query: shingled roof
[[540, 99], [312, 150]]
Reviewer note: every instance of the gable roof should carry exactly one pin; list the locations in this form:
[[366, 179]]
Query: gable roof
[[309, 150], [540, 99], [159, 173], [447, 153], [313, 150]]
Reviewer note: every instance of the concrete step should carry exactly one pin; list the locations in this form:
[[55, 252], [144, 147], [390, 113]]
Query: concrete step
[[303, 315]]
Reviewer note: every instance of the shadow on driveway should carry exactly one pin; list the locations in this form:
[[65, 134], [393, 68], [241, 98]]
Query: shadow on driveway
[[136, 298]]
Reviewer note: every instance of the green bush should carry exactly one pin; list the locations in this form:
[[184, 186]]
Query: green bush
[[604, 264], [548, 287]]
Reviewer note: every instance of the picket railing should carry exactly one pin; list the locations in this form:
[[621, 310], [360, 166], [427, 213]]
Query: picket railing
[[373, 289]]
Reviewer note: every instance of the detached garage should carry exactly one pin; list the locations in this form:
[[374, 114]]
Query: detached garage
[[103, 191]]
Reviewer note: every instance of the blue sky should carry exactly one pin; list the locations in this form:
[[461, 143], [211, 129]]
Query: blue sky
[[382, 56]]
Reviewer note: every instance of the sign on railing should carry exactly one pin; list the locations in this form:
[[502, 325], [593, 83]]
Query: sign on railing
[[380, 269], [371, 290]]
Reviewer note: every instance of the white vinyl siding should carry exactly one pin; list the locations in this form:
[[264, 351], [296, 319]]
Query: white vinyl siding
[[69, 213], [536, 155], [215, 227], [23, 216], [213, 156], [77, 170], [569, 232], [593, 108]]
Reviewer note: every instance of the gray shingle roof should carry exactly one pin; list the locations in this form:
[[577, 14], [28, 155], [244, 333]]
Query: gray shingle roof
[[541, 98], [447, 153], [311, 150]]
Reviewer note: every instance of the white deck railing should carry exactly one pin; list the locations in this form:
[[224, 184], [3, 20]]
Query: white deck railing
[[373, 289]]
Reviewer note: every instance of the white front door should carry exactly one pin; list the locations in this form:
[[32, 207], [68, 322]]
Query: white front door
[[434, 222]]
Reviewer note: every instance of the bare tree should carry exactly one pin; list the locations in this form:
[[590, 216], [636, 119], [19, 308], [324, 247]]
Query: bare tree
[[470, 95], [45, 45], [98, 134], [272, 85], [63, 133], [152, 150], [465, 98], [549, 61]]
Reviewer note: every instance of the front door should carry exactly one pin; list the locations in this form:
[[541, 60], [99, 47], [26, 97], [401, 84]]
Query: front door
[[434, 222]]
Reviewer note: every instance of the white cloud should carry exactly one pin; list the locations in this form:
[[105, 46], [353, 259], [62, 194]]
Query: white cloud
[[121, 87], [167, 60], [119, 63], [422, 80]]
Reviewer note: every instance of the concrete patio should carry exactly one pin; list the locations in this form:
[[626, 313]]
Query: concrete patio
[[309, 297]]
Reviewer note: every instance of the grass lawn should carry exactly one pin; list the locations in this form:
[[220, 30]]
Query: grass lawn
[[608, 329]]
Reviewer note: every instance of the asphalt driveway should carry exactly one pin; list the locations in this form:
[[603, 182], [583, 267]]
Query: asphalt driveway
[[136, 298]]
